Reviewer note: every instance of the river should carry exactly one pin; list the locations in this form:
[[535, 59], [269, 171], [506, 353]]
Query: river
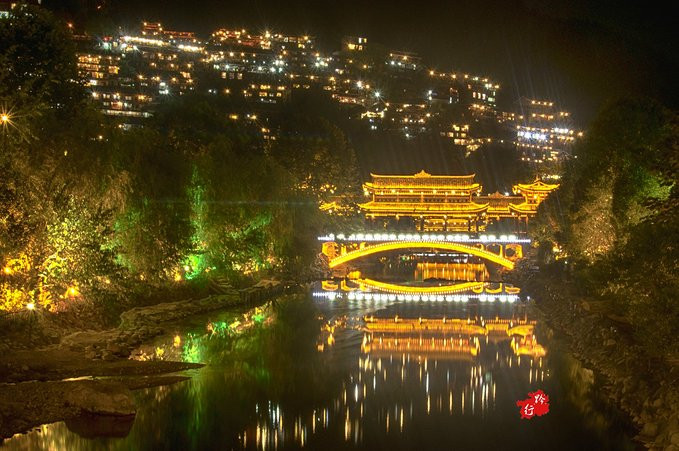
[[354, 365]]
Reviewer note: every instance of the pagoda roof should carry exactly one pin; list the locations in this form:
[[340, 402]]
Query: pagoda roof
[[422, 179], [537, 185], [423, 173], [523, 208]]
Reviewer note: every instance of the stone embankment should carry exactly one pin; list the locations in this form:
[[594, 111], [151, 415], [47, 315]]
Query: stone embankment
[[141, 324]]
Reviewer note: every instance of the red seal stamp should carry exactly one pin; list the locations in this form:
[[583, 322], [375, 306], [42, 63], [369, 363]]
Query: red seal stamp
[[537, 404]]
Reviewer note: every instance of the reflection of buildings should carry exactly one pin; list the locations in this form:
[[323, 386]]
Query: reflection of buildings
[[434, 367], [446, 202], [420, 347], [451, 337], [451, 271]]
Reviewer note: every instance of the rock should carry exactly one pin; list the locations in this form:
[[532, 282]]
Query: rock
[[649, 430], [674, 438], [108, 356], [102, 399], [124, 352], [113, 348], [610, 342], [90, 355]]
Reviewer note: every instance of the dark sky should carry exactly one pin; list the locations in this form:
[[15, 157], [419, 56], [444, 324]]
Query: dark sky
[[578, 53]]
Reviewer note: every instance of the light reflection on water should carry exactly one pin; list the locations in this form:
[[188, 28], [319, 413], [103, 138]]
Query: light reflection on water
[[327, 374], [451, 271]]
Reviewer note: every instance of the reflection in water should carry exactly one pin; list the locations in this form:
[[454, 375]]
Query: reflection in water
[[376, 291], [451, 271], [323, 373]]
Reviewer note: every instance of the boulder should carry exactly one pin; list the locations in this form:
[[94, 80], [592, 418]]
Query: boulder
[[674, 438], [102, 399], [649, 430], [108, 356]]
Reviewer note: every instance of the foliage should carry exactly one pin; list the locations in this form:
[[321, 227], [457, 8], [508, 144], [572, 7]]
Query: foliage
[[616, 217], [89, 210], [38, 60]]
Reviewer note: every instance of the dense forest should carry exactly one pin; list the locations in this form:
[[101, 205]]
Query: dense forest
[[90, 210], [614, 224]]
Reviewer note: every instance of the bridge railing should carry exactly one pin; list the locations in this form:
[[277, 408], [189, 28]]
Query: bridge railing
[[425, 237], [390, 297]]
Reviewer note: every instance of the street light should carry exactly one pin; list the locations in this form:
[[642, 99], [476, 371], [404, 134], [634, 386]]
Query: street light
[[377, 94], [4, 118]]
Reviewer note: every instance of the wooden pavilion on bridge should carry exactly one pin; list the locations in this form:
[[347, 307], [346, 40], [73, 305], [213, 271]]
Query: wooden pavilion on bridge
[[449, 202]]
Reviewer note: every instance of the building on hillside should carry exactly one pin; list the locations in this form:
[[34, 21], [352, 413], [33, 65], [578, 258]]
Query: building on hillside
[[449, 203], [404, 61], [354, 43], [128, 75], [543, 133]]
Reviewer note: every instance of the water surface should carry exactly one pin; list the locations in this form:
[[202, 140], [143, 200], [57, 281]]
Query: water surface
[[309, 372]]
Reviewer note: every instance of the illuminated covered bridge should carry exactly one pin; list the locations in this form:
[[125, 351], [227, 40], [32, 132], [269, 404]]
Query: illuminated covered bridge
[[449, 202], [342, 249]]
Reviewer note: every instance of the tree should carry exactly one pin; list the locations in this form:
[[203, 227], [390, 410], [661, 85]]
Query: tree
[[37, 62], [616, 215]]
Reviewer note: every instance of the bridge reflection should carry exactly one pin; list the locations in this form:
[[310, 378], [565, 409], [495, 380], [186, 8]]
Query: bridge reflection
[[374, 290], [451, 360]]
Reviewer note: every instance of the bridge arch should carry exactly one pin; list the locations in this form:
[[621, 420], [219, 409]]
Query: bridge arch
[[398, 245]]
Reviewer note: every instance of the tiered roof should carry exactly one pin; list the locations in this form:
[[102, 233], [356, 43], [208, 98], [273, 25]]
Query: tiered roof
[[423, 180]]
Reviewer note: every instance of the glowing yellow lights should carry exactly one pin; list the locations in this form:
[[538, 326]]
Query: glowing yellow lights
[[72, 291], [7, 270], [384, 247], [177, 277], [177, 341], [30, 306], [4, 117], [446, 289]]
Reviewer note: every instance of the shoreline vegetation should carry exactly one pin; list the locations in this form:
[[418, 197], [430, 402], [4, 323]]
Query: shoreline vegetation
[[605, 270], [90, 373], [644, 389]]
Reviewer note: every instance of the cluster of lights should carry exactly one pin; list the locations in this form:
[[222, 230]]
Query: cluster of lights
[[147, 41], [409, 297], [532, 135], [424, 237], [190, 48]]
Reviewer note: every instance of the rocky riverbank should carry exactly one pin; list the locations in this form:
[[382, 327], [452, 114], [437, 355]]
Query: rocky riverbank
[[646, 389], [37, 386]]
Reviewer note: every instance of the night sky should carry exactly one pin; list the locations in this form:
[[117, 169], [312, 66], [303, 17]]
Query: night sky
[[578, 53]]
